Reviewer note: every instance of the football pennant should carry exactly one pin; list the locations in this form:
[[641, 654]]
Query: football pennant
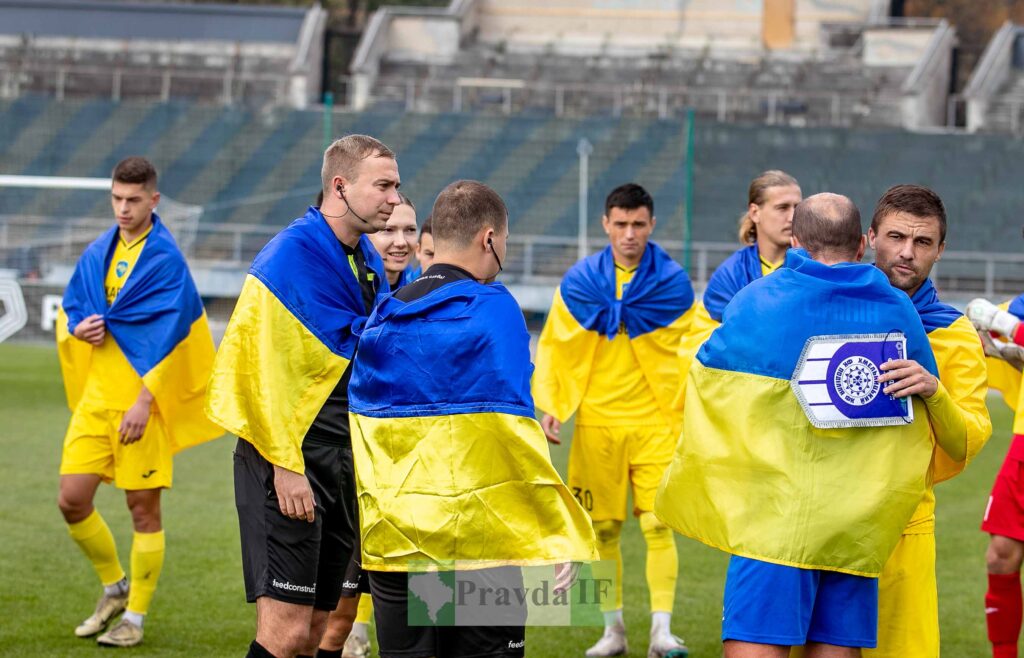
[[836, 381]]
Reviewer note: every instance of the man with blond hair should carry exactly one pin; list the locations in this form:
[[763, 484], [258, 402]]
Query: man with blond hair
[[280, 383]]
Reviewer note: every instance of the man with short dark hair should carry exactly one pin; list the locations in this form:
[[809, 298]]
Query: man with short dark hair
[[908, 235], [452, 469], [136, 394], [280, 383], [775, 440], [608, 355]]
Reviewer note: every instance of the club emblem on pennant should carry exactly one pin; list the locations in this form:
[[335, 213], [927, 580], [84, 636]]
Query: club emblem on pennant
[[836, 381]]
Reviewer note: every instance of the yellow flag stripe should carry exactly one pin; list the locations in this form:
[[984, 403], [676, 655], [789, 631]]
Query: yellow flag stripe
[[783, 491], [271, 377], [467, 488]]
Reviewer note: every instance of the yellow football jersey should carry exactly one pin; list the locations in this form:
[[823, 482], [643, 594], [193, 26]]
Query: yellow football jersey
[[618, 392], [767, 268], [122, 263], [112, 383]]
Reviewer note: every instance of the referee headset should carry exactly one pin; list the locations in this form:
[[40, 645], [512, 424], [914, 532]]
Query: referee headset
[[348, 206], [491, 243]]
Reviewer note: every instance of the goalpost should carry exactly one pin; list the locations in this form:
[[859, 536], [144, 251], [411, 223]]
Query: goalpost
[[22, 230]]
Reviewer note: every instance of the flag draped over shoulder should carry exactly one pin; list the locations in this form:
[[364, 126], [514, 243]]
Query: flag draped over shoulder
[[585, 310], [733, 275], [751, 476], [959, 407], [1002, 376], [290, 338], [451, 464], [159, 324], [1007, 377]]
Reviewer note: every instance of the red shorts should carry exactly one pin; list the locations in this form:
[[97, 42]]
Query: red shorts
[[1004, 514]]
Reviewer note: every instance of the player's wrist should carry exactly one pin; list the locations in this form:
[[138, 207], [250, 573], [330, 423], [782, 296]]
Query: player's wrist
[[1006, 324]]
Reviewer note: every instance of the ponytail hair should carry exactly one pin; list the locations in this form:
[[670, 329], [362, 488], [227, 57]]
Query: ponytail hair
[[756, 195]]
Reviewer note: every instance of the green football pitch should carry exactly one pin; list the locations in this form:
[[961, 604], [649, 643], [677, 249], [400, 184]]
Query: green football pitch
[[200, 610]]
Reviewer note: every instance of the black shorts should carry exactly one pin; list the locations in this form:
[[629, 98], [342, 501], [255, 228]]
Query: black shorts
[[357, 580], [292, 560], [397, 639]]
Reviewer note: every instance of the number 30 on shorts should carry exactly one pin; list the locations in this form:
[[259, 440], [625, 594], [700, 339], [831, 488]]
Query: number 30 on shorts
[[585, 498]]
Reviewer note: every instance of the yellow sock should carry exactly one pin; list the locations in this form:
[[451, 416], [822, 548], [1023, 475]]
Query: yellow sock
[[608, 547], [662, 562], [94, 538], [365, 609], [147, 562]]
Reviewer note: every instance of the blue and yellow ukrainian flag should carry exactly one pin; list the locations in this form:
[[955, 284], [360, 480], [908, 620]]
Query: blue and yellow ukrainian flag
[[451, 465], [1005, 378], [958, 409], [751, 475], [654, 311], [734, 274], [159, 324], [290, 338]]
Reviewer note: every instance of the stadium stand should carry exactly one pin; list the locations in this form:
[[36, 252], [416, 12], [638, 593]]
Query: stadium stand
[[994, 94], [218, 53], [504, 92], [249, 167], [835, 63]]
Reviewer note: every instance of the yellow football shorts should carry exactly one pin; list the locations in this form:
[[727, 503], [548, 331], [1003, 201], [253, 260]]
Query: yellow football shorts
[[92, 446], [908, 601], [604, 461]]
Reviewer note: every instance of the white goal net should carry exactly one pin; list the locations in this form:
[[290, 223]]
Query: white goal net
[[46, 221]]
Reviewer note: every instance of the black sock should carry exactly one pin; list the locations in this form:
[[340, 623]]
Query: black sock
[[256, 650], [325, 653]]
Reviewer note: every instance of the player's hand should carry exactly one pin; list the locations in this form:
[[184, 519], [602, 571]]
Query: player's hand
[[552, 427], [294, 495], [989, 344], [133, 425], [1012, 353], [908, 378], [986, 316], [92, 330], [565, 576]]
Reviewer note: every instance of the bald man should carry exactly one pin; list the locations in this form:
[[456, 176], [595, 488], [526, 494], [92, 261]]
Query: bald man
[[774, 601]]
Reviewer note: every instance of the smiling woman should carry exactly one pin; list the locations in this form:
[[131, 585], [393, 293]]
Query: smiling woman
[[396, 242]]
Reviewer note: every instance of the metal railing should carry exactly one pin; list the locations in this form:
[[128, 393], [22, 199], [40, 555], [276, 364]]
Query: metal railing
[[516, 96], [991, 71], [83, 81], [36, 247]]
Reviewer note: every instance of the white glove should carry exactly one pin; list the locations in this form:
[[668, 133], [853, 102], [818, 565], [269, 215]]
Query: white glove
[[986, 316]]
